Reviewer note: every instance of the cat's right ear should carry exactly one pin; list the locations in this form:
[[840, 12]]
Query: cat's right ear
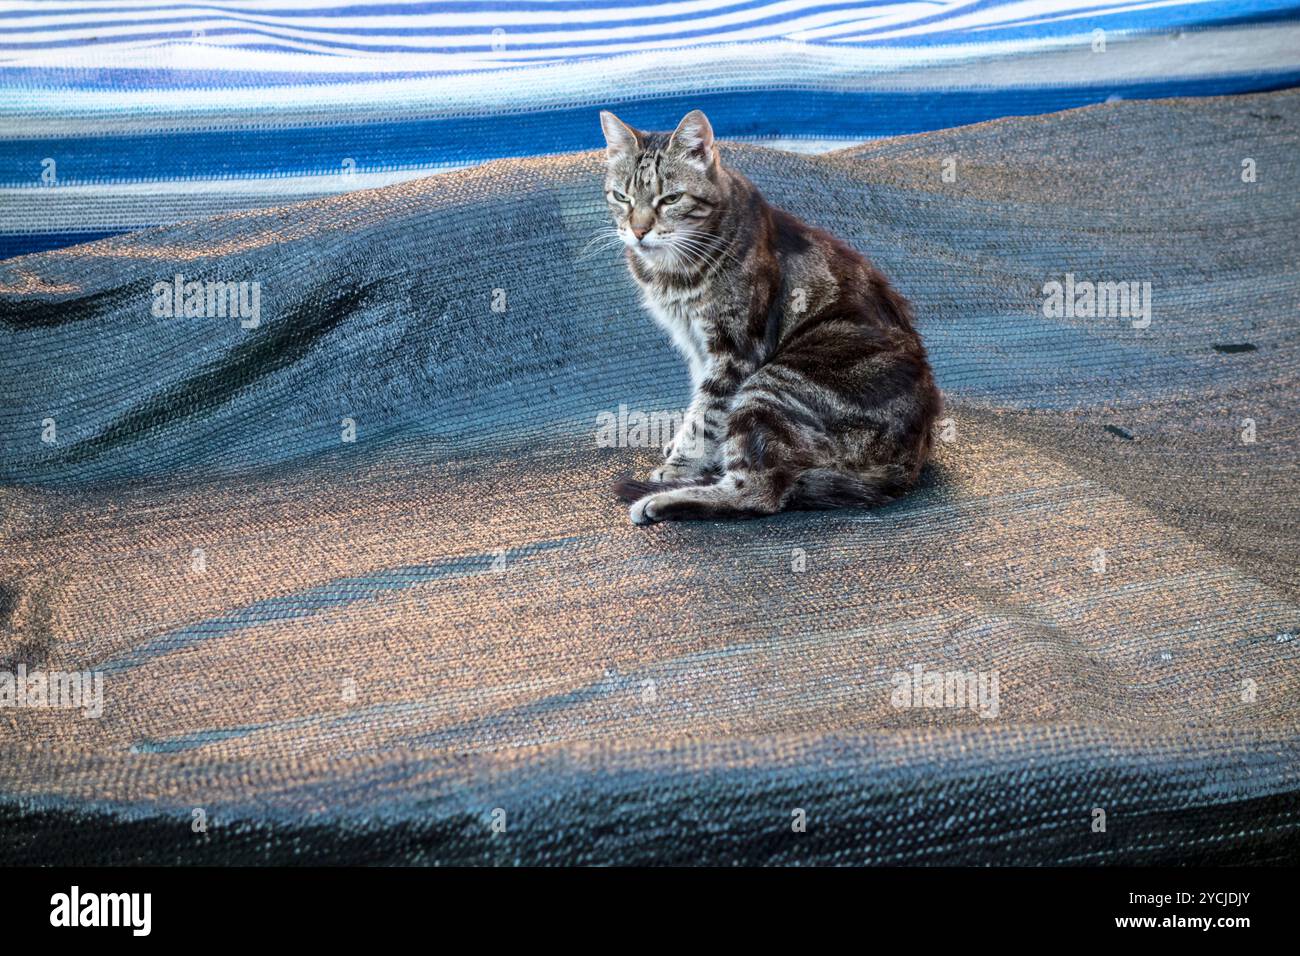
[[620, 139]]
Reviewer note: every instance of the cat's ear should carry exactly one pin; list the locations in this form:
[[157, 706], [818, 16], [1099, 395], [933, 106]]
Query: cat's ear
[[619, 137], [693, 139]]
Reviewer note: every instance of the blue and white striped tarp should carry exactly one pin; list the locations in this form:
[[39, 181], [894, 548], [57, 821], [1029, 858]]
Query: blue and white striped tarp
[[129, 113]]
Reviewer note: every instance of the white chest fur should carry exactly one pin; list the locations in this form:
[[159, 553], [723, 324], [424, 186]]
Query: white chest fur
[[683, 317]]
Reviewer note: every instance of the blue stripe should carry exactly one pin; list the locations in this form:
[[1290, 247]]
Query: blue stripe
[[25, 244], [428, 142]]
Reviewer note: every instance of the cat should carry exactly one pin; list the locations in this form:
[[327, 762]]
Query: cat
[[811, 388]]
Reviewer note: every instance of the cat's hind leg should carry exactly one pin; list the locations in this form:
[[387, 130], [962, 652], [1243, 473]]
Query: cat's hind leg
[[693, 453], [762, 457]]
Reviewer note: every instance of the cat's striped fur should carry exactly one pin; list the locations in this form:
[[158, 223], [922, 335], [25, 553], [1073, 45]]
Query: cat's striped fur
[[812, 389]]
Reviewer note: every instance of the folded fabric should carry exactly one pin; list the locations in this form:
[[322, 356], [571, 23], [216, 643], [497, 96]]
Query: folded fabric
[[318, 497]]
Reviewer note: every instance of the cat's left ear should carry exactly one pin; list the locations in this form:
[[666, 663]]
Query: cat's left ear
[[693, 139], [619, 137]]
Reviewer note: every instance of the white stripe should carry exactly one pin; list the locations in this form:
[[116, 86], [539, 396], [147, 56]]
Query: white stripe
[[602, 40], [1023, 12], [212, 53], [1102, 12], [44, 6], [31, 113], [981, 18], [890, 16], [416, 20]]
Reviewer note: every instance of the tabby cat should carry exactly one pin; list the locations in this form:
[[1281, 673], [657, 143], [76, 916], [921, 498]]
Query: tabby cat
[[811, 388]]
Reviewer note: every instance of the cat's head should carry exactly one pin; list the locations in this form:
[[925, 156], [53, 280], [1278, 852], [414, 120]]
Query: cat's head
[[663, 189]]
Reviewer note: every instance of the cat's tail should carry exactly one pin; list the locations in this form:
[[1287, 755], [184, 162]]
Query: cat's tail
[[754, 494], [821, 488]]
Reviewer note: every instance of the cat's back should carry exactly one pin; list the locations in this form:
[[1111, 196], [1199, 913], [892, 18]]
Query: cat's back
[[824, 276]]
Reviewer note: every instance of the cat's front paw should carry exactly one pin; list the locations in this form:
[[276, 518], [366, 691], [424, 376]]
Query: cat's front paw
[[642, 511]]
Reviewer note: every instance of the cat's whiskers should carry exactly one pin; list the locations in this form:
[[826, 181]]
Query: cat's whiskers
[[697, 250], [602, 240], [710, 243], [682, 252], [686, 256]]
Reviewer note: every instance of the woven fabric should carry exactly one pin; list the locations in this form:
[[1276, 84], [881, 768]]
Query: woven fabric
[[442, 642], [117, 116]]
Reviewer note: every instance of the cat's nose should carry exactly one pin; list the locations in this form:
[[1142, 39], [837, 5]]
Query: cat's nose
[[639, 231]]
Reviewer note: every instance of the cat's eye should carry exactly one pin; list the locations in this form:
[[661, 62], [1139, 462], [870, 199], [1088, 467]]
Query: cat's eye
[[618, 196], [669, 199]]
